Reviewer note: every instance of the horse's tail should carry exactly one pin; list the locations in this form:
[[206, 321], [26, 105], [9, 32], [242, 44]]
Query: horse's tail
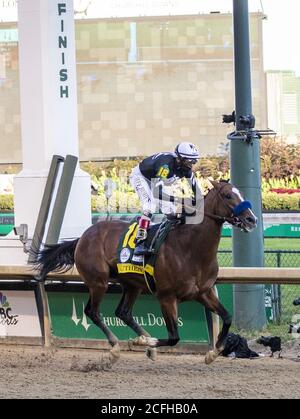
[[56, 258]]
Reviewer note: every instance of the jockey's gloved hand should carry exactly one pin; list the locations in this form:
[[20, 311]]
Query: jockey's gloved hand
[[177, 217]]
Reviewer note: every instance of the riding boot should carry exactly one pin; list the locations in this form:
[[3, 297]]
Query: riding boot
[[141, 247]]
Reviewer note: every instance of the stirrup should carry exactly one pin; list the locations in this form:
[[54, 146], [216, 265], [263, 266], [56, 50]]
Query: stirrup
[[141, 249]]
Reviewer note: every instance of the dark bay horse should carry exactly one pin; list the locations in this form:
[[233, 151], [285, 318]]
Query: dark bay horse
[[186, 268]]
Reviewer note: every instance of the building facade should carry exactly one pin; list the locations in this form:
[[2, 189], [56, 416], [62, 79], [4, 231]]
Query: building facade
[[143, 84], [283, 92]]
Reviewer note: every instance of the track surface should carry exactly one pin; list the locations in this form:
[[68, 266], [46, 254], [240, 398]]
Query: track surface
[[33, 372]]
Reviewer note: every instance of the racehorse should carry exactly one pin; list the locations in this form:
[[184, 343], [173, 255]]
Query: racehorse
[[186, 268]]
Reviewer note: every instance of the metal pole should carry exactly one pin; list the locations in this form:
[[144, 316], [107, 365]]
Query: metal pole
[[44, 209], [42, 298], [61, 200], [279, 289], [248, 249]]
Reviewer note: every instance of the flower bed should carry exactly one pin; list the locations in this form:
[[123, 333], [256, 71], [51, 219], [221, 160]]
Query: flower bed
[[285, 191]]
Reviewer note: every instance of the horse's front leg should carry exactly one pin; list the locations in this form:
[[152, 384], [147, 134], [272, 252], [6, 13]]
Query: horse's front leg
[[210, 301], [92, 311]]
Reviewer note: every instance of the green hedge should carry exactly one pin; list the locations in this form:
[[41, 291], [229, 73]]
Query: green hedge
[[274, 201], [6, 203]]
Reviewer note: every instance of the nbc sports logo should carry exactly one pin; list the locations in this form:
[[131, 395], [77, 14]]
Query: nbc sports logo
[[6, 317]]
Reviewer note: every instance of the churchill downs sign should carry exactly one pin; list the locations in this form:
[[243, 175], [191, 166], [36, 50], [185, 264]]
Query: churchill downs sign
[[68, 319]]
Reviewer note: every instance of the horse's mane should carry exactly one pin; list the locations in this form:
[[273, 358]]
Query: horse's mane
[[221, 181]]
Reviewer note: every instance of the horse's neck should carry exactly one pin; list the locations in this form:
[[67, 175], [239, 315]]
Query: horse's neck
[[210, 202], [208, 233]]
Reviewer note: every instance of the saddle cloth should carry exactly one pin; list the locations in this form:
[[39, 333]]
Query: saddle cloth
[[145, 264]]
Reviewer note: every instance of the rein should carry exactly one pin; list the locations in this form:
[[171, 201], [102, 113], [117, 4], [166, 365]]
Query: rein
[[236, 211], [229, 220]]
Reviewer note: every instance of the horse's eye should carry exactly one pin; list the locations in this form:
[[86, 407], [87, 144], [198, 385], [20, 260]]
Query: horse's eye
[[228, 196]]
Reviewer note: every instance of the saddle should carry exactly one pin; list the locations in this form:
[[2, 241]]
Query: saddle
[[144, 265]]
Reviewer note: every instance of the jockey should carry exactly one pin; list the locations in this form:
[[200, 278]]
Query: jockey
[[161, 169]]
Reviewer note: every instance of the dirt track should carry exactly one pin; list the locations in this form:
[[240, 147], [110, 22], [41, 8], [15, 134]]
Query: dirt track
[[33, 372]]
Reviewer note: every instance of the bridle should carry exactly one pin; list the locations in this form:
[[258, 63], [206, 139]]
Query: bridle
[[235, 211]]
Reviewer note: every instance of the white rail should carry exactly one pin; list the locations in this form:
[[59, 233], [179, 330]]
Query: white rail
[[226, 275]]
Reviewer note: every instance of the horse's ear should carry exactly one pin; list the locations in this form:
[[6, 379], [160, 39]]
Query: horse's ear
[[215, 184]]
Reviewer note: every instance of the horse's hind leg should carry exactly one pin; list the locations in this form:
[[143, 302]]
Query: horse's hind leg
[[92, 311], [170, 314], [124, 312], [210, 301]]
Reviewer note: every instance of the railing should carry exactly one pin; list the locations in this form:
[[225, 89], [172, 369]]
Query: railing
[[226, 275], [273, 258], [279, 295]]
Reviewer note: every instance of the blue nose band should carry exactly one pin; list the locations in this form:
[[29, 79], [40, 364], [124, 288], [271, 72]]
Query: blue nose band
[[243, 206]]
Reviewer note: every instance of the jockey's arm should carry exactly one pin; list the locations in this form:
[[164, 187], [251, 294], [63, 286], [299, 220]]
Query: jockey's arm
[[163, 195]]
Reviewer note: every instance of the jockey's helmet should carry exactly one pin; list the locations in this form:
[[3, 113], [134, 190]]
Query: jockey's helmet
[[187, 154]]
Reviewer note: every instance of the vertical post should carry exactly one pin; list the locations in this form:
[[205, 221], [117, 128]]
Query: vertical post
[[278, 256], [43, 302], [49, 116], [45, 207], [279, 305], [248, 249]]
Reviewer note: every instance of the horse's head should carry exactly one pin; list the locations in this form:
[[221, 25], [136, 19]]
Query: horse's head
[[231, 205]]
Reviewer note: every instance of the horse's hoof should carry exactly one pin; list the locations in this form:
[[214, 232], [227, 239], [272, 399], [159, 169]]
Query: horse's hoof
[[114, 354], [151, 353], [139, 341], [152, 342], [211, 356], [144, 341]]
